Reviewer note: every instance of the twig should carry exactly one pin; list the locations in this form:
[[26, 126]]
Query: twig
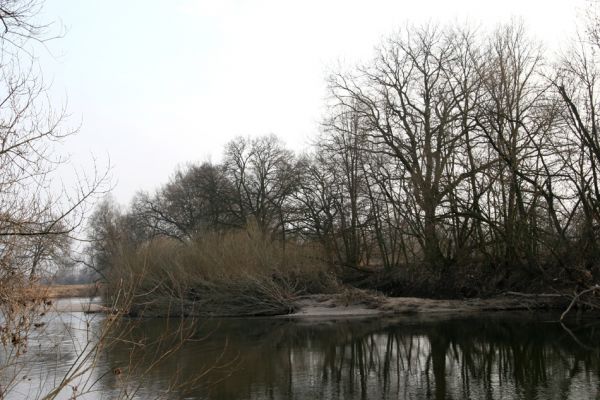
[[577, 296], [533, 294], [579, 342]]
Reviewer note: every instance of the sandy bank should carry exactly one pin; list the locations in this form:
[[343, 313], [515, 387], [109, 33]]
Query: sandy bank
[[325, 306]]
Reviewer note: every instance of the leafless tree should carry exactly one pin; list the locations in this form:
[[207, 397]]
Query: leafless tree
[[197, 199], [414, 107], [264, 176]]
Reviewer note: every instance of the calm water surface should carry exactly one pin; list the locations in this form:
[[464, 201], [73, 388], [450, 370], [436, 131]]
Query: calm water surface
[[494, 357]]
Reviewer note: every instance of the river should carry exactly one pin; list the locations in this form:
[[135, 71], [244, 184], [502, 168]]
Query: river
[[495, 356]]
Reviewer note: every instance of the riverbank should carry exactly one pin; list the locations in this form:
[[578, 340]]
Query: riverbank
[[326, 306], [366, 305], [356, 303]]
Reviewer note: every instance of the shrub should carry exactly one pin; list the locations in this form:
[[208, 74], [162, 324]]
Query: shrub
[[235, 273]]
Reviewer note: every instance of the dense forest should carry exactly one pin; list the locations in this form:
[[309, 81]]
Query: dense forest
[[456, 162]]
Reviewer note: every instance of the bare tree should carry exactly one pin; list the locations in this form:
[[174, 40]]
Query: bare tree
[[197, 199], [264, 176], [37, 215], [414, 108], [577, 83]]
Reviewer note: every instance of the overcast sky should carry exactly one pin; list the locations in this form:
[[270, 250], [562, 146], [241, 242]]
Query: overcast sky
[[157, 84]]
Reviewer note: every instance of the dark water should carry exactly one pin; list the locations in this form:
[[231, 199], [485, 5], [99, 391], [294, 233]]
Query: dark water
[[495, 357]]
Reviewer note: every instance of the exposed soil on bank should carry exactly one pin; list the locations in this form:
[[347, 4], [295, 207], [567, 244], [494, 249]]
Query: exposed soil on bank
[[324, 306], [366, 304]]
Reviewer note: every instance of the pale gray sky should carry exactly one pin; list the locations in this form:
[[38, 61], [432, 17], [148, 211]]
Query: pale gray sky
[[157, 84]]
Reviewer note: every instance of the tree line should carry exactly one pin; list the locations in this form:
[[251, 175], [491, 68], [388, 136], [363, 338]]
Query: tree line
[[451, 147]]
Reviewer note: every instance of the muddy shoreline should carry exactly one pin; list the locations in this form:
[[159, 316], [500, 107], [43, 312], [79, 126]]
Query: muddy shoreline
[[337, 306], [326, 306]]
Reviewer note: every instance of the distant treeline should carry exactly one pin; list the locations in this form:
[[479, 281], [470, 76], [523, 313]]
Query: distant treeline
[[450, 148]]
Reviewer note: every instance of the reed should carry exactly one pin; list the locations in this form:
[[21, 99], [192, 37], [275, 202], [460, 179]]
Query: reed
[[236, 273]]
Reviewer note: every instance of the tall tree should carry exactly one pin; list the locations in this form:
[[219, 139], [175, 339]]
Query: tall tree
[[264, 176], [413, 107]]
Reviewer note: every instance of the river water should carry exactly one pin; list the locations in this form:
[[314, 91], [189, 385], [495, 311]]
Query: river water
[[497, 356]]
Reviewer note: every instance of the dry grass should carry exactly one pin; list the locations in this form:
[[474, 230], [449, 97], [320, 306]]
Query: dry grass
[[237, 273], [64, 291]]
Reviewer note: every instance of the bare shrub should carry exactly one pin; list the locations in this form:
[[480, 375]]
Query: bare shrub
[[235, 273]]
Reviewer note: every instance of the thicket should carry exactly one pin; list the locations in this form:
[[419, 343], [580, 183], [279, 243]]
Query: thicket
[[456, 162]]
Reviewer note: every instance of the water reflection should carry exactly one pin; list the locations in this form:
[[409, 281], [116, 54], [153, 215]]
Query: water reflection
[[475, 358], [492, 357], [61, 345]]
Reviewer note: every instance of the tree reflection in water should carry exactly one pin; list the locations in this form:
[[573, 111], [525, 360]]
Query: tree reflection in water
[[469, 358]]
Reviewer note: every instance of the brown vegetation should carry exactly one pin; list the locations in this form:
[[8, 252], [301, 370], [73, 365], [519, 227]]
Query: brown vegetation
[[235, 273], [64, 291]]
